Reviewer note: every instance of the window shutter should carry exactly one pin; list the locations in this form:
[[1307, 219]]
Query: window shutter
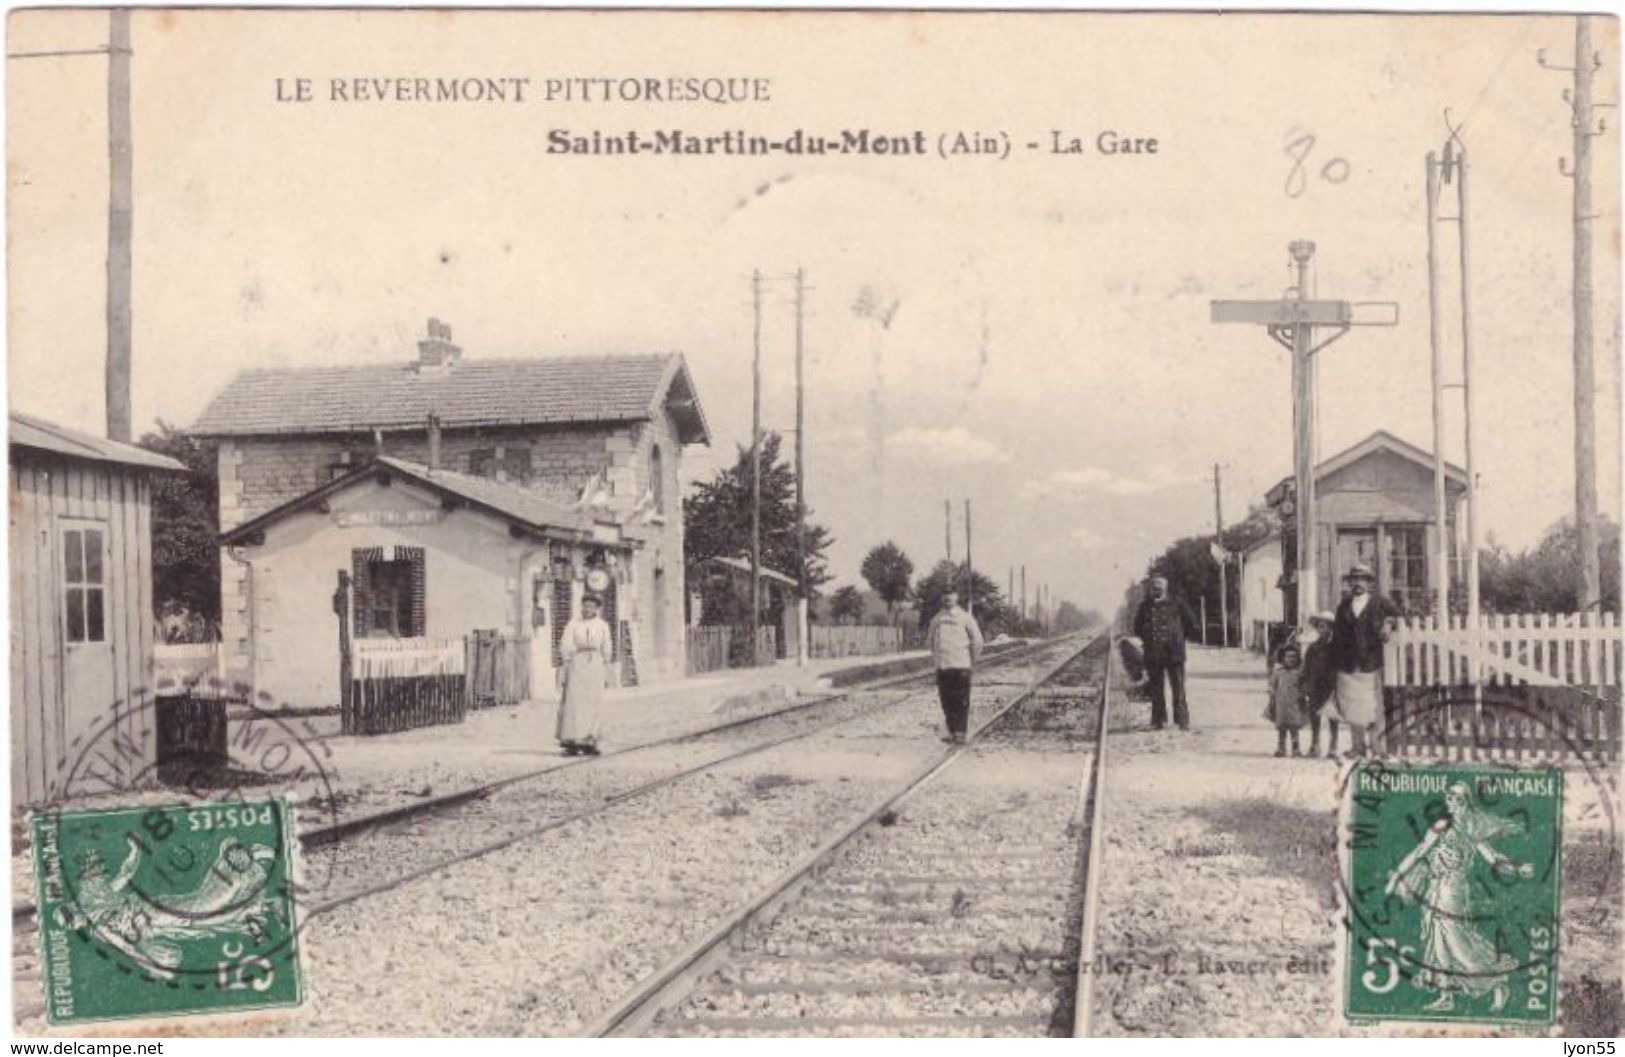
[[361, 559], [561, 617], [415, 555]]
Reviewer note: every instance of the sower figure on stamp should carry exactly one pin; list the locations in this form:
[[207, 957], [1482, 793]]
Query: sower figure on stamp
[[1358, 635], [1437, 875], [956, 645], [586, 650], [1160, 625]]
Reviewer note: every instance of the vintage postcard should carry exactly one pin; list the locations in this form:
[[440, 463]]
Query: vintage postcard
[[796, 523]]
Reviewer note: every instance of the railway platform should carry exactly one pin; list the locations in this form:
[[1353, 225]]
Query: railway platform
[[493, 743]]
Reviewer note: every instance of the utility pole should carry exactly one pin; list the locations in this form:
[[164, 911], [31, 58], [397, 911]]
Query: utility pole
[[1586, 64], [1467, 399], [1024, 592], [970, 569], [948, 528], [756, 470], [803, 632], [1224, 560], [1441, 542], [1585, 405], [120, 211]]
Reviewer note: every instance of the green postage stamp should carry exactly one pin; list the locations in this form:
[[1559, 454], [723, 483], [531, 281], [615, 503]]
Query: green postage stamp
[[1452, 884], [158, 911]]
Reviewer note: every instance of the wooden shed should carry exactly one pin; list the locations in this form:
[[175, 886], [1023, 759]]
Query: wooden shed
[[1374, 505], [81, 610]]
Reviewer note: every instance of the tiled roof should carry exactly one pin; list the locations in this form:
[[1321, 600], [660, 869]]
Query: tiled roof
[[516, 503], [522, 504], [27, 431], [470, 392]]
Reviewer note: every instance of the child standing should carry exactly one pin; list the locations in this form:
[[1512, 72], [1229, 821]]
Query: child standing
[[1320, 681], [1286, 699]]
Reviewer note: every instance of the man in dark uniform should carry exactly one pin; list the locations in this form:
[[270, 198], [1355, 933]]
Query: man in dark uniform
[[1160, 626]]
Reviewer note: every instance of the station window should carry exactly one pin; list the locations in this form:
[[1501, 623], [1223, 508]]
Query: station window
[[84, 584], [389, 593]]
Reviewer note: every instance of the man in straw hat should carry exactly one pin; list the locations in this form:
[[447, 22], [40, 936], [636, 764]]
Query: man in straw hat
[[1358, 634]]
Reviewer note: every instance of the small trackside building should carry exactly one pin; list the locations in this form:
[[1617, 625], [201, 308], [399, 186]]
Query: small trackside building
[[82, 625], [430, 554], [594, 437]]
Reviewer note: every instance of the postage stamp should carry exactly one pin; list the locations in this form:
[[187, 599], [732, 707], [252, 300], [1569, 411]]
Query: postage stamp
[[1453, 878], [157, 911]]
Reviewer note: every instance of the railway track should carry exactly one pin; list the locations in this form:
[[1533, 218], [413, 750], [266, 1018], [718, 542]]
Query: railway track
[[387, 852], [799, 720], [955, 908]]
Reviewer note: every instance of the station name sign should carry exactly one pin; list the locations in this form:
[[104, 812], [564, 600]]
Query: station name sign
[[368, 518]]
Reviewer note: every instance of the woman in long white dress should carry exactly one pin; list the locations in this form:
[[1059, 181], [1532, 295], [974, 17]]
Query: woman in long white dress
[[585, 649]]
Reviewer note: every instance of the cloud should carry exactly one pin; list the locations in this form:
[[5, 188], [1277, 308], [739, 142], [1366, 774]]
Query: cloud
[[1091, 480], [956, 446], [1087, 538]]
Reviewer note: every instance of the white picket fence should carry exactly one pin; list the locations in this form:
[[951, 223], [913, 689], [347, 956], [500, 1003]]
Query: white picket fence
[[407, 658], [854, 640], [182, 666], [1535, 649]]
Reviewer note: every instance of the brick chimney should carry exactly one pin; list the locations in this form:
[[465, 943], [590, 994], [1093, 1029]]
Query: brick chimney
[[436, 350]]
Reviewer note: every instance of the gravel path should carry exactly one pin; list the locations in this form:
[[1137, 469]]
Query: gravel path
[[953, 918], [1219, 910]]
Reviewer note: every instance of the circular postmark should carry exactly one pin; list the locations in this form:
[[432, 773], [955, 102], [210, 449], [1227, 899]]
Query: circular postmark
[[1451, 869], [204, 892]]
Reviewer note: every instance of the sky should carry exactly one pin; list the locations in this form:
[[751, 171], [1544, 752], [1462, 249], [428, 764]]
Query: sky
[[1029, 333]]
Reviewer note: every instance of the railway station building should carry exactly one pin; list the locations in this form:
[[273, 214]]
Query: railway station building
[[1373, 504], [458, 495]]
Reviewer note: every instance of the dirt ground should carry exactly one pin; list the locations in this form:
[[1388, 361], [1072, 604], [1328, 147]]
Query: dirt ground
[[1219, 892]]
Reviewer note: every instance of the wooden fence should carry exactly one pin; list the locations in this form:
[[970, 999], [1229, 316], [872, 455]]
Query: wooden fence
[[498, 668], [401, 684], [1510, 649], [708, 647], [854, 640], [1519, 686]]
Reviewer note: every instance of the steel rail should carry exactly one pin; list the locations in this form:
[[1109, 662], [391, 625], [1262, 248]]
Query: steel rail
[[608, 802], [347, 829], [675, 980], [1094, 814]]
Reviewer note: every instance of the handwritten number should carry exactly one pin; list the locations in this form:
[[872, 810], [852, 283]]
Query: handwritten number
[[1299, 146]]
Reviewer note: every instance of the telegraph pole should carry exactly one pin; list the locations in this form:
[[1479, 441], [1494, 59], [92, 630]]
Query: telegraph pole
[[1467, 397], [120, 211], [756, 469], [1586, 126], [1585, 407], [1224, 561], [1441, 543], [970, 570], [948, 528], [1023, 591], [803, 632]]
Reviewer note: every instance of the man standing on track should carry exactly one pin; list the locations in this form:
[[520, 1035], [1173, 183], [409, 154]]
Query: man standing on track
[[1160, 626], [956, 645]]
